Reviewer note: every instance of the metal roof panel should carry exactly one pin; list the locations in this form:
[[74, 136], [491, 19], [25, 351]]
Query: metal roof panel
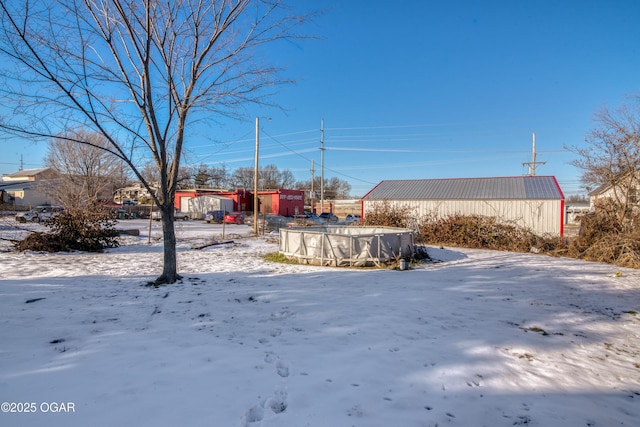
[[522, 187]]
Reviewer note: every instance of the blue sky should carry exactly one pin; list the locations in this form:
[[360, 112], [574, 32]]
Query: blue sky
[[431, 89]]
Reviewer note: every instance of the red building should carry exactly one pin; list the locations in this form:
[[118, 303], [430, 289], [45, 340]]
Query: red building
[[280, 202]]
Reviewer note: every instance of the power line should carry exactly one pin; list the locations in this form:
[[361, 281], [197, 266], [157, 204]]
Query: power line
[[435, 150], [393, 126], [383, 140], [308, 159], [297, 153]]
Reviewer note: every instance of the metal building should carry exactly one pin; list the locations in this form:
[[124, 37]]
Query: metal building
[[533, 202]]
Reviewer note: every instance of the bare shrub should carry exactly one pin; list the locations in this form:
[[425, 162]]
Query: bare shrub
[[41, 242], [74, 230], [618, 250], [389, 215], [483, 232], [606, 237]]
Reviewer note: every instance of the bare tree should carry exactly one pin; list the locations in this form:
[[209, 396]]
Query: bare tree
[[137, 72], [611, 158], [287, 180], [334, 188], [219, 176], [89, 173], [150, 173], [268, 177], [184, 179], [337, 188], [242, 178], [272, 178]]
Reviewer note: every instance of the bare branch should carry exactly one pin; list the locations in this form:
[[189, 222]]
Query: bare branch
[[610, 162], [138, 73]]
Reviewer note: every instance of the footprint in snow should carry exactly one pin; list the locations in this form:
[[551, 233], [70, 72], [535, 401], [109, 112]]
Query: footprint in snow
[[255, 414], [282, 369], [282, 315], [270, 357], [277, 403], [475, 382], [276, 332]]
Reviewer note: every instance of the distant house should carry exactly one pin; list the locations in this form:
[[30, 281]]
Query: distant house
[[31, 175], [136, 192], [25, 189], [626, 191], [533, 202]]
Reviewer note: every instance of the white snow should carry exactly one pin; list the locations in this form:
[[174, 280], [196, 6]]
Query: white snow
[[482, 338]]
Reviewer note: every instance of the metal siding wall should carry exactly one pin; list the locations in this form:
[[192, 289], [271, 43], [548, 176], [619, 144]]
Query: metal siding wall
[[539, 216]]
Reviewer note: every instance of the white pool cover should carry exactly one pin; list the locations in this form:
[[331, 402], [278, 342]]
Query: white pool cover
[[346, 246]]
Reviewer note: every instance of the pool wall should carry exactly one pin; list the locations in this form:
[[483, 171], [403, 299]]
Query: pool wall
[[340, 246]]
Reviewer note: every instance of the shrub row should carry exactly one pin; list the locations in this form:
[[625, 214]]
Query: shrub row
[[605, 235]]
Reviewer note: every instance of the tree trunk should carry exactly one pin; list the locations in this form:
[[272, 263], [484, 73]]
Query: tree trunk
[[170, 259]]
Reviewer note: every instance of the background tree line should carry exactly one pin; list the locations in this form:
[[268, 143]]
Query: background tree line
[[89, 174], [270, 178]]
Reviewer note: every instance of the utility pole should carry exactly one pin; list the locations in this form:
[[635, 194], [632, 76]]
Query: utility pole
[[532, 164], [322, 166], [313, 188], [255, 180]]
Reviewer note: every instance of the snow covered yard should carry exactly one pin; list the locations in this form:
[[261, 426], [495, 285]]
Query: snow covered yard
[[481, 339]]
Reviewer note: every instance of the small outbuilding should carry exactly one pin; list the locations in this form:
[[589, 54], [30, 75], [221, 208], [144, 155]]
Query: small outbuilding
[[200, 205], [533, 202]]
